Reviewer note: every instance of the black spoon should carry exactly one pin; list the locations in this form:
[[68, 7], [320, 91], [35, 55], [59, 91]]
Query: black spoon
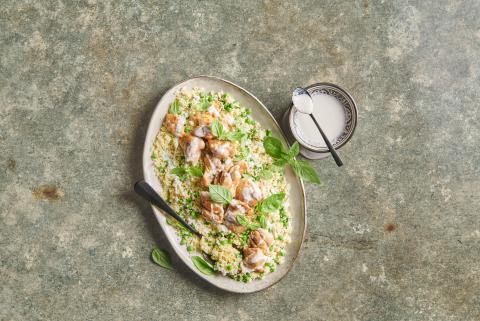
[[143, 189], [303, 103]]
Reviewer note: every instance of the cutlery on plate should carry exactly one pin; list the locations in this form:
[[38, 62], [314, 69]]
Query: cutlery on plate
[[303, 103], [146, 191]]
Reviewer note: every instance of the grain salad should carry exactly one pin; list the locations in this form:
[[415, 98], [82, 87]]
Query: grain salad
[[210, 158]]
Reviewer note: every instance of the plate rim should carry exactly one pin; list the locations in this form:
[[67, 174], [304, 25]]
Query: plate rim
[[146, 153]]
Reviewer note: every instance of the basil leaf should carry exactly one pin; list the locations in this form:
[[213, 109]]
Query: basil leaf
[[180, 172], [304, 170], [271, 203], [203, 105], [265, 174], [174, 223], [274, 147], [217, 129], [253, 226], [202, 265], [280, 163], [237, 135], [220, 194], [294, 150], [175, 108], [242, 220], [195, 171], [262, 220], [162, 258]]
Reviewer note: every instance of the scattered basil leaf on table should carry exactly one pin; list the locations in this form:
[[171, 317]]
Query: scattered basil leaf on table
[[162, 258], [220, 194], [202, 265]]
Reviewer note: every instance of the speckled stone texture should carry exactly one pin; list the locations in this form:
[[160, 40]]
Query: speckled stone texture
[[393, 235]]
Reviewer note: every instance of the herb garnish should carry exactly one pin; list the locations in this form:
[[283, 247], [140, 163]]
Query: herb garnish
[[219, 131], [175, 108], [275, 148], [182, 172], [271, 203], [202, 265], [220, 194], [162, 258]]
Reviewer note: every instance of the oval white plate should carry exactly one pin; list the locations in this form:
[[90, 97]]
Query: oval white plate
[[297, 208]]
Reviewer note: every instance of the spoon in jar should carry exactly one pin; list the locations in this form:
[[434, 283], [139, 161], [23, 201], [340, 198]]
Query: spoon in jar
[[303, 103]]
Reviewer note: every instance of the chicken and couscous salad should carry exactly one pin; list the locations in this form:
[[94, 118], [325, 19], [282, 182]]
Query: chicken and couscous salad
[[223, 174]]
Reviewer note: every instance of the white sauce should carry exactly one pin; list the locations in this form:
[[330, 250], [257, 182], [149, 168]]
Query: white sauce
[[257, 258], [213, 111], [330, 115], [180, 125], [230, 120]]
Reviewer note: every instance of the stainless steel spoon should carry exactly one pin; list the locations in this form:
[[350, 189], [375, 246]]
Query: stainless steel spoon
[[303, 103]]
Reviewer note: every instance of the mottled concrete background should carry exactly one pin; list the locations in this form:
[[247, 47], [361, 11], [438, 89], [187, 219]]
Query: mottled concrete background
[[393, 235]]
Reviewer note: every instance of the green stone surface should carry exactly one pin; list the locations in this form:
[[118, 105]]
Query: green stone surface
[[392, 235]]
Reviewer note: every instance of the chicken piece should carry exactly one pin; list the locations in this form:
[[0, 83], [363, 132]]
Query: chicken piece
[[202, 122], [224, 178], [203, 119], [254, 258], [242, 167], [231, 175], [203, 132], [212, 166], [212, 212], [248, 192], [221, 149], [261, 239], [175, 124], [235, 208], [192, 147]]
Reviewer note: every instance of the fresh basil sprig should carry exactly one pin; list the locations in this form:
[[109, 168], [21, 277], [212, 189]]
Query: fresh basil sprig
[[202, 265], [220, 194], [219, 131], [162, 258], [182, 172], [262, 219], [282, 156], [244, 222], [272, 203]]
